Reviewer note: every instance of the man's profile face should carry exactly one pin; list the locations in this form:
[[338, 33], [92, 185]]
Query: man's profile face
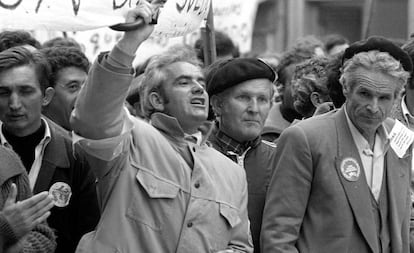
[[69, 81], [20, 100], [186, 95], [370, 100], [245, 108]]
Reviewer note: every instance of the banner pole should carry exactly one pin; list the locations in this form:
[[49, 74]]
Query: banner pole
[[369, 9], [207, 34]]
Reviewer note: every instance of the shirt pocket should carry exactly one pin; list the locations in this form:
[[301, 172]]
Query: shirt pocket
[[221, 229], [230, 214], [156, 187], [150, 206]]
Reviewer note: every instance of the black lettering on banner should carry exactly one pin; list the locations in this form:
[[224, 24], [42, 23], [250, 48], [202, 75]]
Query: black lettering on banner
[[76, 5], [118, 5], [180, 8], [192, 5], [10, 6], [201, 7], [38, 6]]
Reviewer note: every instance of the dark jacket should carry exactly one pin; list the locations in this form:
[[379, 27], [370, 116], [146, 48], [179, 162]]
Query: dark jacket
[[259, 162], [41, 238], [61, 164]]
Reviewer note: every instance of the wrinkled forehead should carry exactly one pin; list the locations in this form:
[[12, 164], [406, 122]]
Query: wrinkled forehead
[[374, 80], [181, 68]]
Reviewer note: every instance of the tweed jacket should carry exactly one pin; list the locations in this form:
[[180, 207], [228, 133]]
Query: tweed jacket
[[311, 205]]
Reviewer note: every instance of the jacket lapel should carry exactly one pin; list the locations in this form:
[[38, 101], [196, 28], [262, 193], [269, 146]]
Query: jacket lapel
[[357, 192], [56, 155]]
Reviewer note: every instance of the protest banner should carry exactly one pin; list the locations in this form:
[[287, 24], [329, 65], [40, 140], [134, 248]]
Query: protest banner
[[178, 22], [177, 18]]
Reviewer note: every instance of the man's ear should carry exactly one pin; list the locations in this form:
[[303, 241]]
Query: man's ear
[[156, 101], [48, 96], [216, 105], [315, 99]]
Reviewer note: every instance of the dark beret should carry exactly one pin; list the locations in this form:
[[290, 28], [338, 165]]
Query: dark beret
[[224, 74], [381, 44]]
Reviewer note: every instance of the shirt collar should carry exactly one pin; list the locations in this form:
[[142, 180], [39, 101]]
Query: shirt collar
[[167, 124], [229, 144], [46, 137], [195, 138], [362, 143], [170, 126]]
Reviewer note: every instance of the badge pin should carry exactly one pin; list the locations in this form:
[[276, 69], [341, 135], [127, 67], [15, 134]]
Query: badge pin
[[61, 193], [350, 169]]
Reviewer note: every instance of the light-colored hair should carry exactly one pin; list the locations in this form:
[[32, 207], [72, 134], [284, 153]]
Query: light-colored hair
[[378, 61], [156, 75]]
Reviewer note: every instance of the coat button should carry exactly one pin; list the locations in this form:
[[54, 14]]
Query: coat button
[[197, 185], [189, 225]]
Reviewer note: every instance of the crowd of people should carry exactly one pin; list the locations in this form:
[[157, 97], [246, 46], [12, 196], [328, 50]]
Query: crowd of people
[[306, 151]]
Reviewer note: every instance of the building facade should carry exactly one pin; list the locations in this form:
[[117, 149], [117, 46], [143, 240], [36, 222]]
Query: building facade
[[280, 22]]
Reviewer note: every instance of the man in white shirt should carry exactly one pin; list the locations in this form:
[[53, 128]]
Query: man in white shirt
[[44, 147]]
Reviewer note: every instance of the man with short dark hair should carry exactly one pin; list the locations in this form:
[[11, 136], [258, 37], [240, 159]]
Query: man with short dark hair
[[61, 42], [335, 44], [283, 113], [241, 92], [15, 38], [341, 182], [162, 188], [69, 71], [225, 47], [44, 147]]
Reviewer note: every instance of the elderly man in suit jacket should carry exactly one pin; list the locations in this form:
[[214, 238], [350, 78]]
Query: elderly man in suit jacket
[[341, 182]]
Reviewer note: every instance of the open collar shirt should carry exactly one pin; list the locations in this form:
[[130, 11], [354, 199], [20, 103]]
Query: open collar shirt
[[39, 152], [372, 159]]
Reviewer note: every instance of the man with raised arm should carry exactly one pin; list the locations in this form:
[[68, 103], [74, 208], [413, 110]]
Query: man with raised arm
[[161, 188]]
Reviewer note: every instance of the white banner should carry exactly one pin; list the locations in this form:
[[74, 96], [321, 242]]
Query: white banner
[[177, 18], [236, 18]]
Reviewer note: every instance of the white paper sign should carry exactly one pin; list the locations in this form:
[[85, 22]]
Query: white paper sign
[[177, 18], [401, 138], [236, 18]]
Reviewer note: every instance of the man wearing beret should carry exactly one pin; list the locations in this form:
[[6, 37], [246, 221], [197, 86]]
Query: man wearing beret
[[341, 182], [241, 92], [161, 187]]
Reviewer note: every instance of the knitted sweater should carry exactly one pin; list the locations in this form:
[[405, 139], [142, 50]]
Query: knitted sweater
[[41, 239]]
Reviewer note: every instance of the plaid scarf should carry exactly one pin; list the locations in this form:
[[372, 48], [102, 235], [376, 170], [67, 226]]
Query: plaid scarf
[[230, 145]]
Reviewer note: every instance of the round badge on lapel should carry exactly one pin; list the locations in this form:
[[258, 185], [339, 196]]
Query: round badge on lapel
[[61, 193], [350, 169]]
